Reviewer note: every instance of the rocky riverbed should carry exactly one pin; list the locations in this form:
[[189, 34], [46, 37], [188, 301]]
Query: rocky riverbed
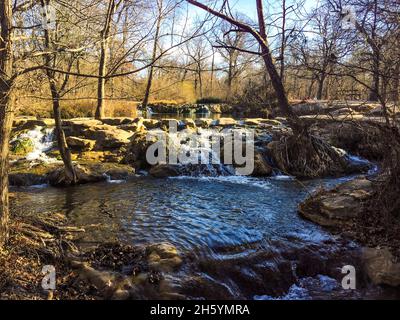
[[200, 231]]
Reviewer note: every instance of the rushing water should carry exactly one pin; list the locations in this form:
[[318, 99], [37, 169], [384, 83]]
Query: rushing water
[[240, 237]]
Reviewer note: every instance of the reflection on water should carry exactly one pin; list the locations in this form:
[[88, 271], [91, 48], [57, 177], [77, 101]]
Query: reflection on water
[[241, 236]]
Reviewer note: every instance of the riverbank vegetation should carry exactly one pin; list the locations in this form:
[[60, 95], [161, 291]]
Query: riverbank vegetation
[[83, 83]]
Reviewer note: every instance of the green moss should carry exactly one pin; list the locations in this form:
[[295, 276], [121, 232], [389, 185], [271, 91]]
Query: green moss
[[22, 146]]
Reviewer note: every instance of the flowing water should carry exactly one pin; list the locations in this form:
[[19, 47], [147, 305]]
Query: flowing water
[[239, 237]]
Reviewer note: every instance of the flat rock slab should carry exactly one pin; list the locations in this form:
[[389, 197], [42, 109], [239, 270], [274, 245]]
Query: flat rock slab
[[333, 208]]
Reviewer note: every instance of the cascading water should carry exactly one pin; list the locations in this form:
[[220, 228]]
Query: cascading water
[[42, 140]]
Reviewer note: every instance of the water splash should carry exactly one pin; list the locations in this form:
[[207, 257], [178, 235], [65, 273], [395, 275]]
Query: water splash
[[42, 140]]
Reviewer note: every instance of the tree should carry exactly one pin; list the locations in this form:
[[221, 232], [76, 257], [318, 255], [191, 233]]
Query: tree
[[6, 111], [104, 43], [159, 19]]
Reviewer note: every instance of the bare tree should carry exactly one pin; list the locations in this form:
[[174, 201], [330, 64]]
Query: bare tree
[[105, 37], [6, 110], [154, 53]]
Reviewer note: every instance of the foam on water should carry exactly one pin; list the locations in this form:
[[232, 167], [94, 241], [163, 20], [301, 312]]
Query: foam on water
[[43, 141]]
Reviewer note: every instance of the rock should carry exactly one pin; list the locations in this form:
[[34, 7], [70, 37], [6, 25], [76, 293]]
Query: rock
[[121, 295], [77, 127], [118, 121], [164, 171], [33, 123], [164, 250], [333, 208], [151, 123], [80, 144], [22, 146], [107, 137], [84, 174], [163, 257], [215, 108], [251, 122], [261, 166], [203, 122], [225, 122], [137, 148], [168, 124], [272, 122], [344, 111], [308, 109], [381, 267], [169, 108], [189, 124], [26, 179], [20, 121], [104, 281]]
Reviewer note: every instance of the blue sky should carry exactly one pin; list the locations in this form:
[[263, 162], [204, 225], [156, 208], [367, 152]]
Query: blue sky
[[248, 7]]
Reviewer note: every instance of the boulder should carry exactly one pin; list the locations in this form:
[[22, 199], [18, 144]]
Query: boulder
[[164, 171], [151, 124], [167, 124], [203, 122], [339, 206], [118, 121], [77, 127], [26, 179], [225, 122], [251, 122], [189, 124], [215, 108], [80, 144], [137, 149], [57, 177], [261, 166], [272, 122], [107, 137], [381, 267], [163, 257]]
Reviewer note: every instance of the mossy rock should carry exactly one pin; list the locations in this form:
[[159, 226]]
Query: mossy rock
[[22, 147]]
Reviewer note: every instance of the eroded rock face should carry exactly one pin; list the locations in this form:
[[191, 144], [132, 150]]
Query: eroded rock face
[[164, 171], [261, 166], [381, 266], [80, 144], [226, 122], [338, 206]]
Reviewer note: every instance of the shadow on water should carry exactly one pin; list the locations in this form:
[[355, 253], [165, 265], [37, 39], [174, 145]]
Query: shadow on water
[[240, 237]]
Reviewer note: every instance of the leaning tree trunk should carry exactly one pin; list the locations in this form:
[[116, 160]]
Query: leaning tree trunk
[[70, 173], [6, 112]]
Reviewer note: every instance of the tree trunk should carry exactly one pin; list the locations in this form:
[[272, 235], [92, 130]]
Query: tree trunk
[[6, 112], [6, 118], [374, 91], [396, 83], [153, 58], [50, 61], [321, 82], [70, 173], [273, 73], [101, 84]]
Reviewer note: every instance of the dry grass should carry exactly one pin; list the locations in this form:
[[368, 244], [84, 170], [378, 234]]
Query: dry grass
[[76, 108]]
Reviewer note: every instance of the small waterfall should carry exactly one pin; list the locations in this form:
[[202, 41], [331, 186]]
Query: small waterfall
[[42, 140]]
